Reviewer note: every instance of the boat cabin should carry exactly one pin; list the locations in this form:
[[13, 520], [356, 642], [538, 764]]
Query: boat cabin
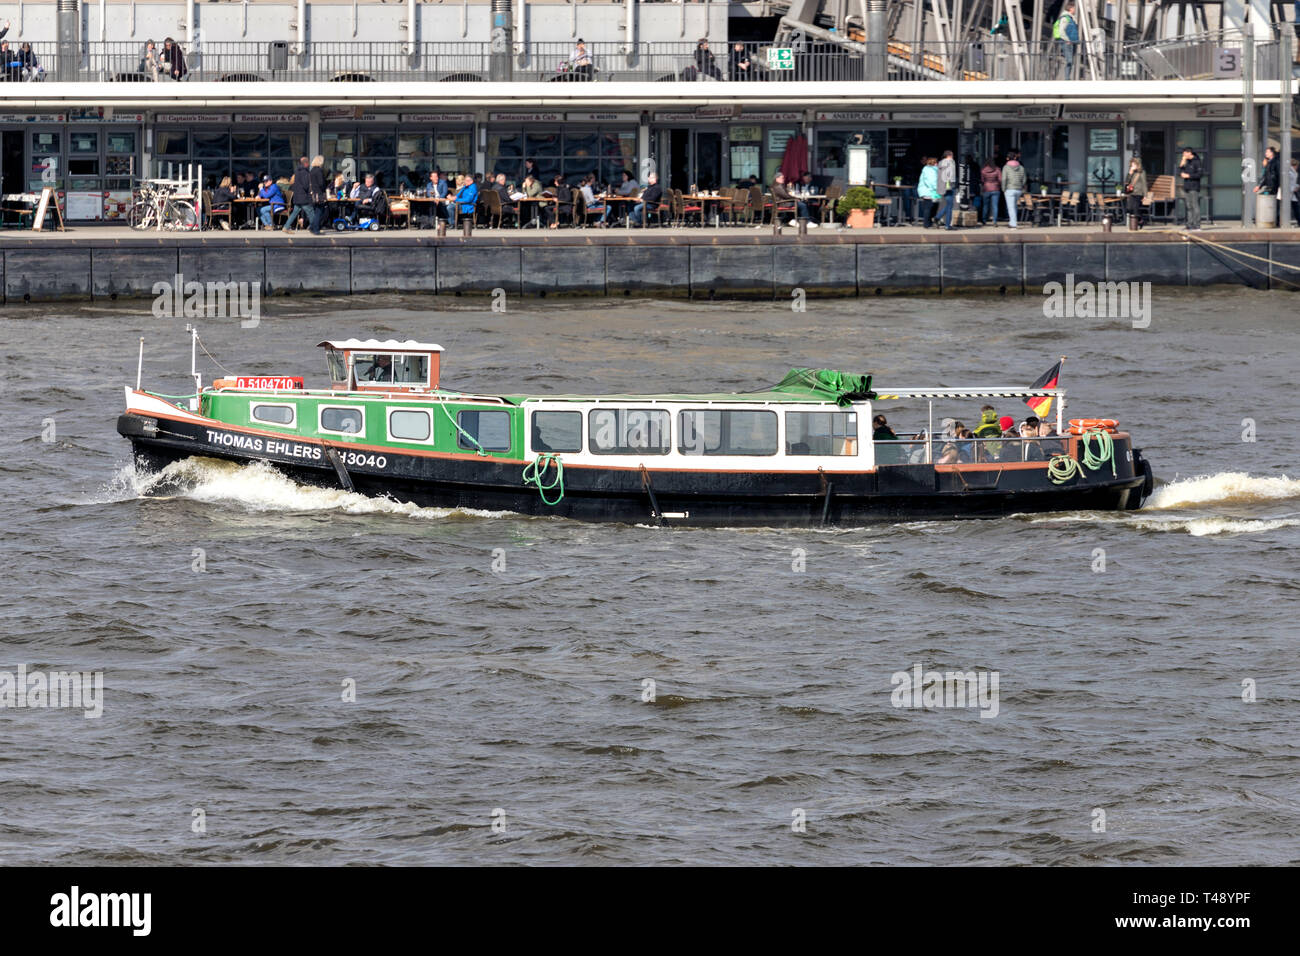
[[371, 364]]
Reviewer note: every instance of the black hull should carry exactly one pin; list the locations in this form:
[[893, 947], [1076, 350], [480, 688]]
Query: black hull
[[676, 498]]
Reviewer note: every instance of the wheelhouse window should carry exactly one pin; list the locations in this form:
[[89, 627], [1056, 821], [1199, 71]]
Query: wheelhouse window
[[727, 432], [821, 433], [629, 431], [275, 414], [337, 366], [489, 431], [556, 431], [409, 424], [344, 420], [391, 368]]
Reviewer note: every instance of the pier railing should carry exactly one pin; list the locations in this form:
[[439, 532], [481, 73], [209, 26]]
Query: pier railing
[[986, 58]]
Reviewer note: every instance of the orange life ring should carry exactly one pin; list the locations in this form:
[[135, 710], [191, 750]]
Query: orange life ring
[[1079, 426]]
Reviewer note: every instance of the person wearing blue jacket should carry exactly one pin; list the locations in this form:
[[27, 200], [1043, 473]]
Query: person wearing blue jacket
[[927, 190], [1065, 31], [270, 191], [465, 200]]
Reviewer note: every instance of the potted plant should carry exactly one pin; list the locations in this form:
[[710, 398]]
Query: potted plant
[[857, 207]]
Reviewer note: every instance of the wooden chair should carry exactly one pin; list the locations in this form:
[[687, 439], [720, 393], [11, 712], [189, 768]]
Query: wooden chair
[[281, 217], [833, 195], [885, 207], [399, 209], [757, 204], [212, 212], [684, 208], [491, 207]]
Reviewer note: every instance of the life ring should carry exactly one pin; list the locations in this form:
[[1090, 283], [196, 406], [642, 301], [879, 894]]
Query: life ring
[[1080, 425], [223, 383]]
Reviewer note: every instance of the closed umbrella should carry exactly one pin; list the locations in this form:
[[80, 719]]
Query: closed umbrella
[[795, 162]]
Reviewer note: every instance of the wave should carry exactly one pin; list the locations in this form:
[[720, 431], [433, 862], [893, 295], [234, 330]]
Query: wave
[[1200, 527], [258, 486], [1227, 487]]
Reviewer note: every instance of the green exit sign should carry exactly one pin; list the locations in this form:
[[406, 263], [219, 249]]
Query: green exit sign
[[780, 58]]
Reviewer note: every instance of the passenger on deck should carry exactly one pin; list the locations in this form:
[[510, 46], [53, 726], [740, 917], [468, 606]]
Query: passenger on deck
[[1053, 447], [1008, 450], [966, 445], [949, 455], [986, 429], [1033, 447], [881, 432]]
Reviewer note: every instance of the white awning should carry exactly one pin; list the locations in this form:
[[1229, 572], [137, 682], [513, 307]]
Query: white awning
[[375, 345]]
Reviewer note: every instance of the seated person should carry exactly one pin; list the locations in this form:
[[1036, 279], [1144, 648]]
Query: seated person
[[553, 213], [381, 370], [651, 199], [508, 208], [890, 454], [270, 191], [369, 198], [592, 205], [949, 455], [1053, 447], [1033, 449], [224, 195], [466, 200], [1009, 450]]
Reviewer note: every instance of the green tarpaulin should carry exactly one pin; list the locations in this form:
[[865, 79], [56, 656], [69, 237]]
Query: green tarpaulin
[[824, 383]]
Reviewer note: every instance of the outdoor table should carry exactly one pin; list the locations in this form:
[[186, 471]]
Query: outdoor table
[[627, 213], [704, 201], [434, 200], [250, 204], [537, 214], [901, 189], [1044, 207], [817, 198]]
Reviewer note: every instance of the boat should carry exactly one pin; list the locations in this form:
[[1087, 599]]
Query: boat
[[800, 453]]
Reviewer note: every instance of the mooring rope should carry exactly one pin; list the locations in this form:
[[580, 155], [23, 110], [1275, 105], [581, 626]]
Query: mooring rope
[[1061, 468], [535, 472], [1229, 251]]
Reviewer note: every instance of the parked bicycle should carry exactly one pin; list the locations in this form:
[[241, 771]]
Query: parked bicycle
[[163, 204]]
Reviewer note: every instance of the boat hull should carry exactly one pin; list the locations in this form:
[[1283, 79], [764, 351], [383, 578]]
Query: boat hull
[[675, 497]]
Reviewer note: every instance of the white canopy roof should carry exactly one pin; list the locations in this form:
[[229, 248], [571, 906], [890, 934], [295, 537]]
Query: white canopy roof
[[375, 345]]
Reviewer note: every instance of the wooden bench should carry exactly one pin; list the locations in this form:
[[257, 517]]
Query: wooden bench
[[1163, 191]]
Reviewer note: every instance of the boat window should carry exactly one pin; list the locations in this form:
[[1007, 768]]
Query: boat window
[[347, 421], [373, 366], [629, 431], [408, 424], [557, 431], [275, 414], [821, 433], [727, 432], [411, 369], [491, 430], [338, 368]]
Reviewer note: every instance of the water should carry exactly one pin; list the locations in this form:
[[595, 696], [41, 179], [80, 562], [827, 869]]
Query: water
[[522, 691]]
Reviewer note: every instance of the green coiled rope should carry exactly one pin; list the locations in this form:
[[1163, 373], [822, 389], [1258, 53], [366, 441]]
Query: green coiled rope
[[1061, 468], [535, 474]]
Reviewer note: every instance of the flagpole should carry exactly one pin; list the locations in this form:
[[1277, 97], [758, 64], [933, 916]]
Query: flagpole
[[1060, 401]]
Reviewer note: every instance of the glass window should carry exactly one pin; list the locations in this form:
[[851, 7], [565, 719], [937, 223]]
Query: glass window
[[252, 145], [121, 143], [211, 145], [337, 145], [628, 431], [1195, 138], [727, 432], [378, 144], [557, 431], [83, 167], [488, 430], [411, 369], [821, 433], [385, 171], [83, 142], [338, 370], [413, 144], [171, 142], [47, 143], [275, 414], [349, 421], [1228, 137], [408, 424], [373, 366], [290, 145]]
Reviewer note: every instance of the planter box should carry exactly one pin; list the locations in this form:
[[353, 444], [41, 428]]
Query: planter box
[[861, 218]]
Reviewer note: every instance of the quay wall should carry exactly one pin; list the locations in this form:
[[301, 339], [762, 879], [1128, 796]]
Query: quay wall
[[84, 268]]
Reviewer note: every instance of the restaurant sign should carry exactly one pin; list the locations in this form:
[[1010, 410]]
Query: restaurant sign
[[1092, 116], [340, 112], [851, 116], [796, 117], [603, 117], [1219, 109], [270, 117], [191, 117], [437, 118], [525, 117]]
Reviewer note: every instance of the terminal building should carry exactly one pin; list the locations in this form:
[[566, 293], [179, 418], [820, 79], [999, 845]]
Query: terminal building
[[400, 88]]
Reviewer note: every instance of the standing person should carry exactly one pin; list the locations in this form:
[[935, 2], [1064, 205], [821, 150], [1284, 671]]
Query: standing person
[[927, 190], [991, 192], [316, 193], [739, 65], [1189, 171], [1269, 177], [300, 195], [1135, 187], [705, 64], [1065, 31], [173, 60], [1293, 179], [1014, 181], [947, 187]]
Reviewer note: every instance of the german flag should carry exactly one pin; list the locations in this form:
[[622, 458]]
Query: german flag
[[1042, 406]]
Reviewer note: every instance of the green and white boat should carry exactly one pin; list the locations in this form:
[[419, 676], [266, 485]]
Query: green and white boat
[[799, 453]]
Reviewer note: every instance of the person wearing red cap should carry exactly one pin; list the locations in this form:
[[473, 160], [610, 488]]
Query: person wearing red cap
[[1007, 424]]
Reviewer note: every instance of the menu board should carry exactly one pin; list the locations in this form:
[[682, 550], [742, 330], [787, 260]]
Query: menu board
[[85, 205]]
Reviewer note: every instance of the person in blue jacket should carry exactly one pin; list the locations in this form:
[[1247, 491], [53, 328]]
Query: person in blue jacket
[[465, 200], [270, 191]]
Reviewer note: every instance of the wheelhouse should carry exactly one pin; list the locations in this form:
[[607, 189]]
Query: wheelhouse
[[375, 365]]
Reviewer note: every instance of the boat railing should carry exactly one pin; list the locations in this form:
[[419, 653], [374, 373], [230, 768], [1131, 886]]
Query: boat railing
[[921, 449]]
